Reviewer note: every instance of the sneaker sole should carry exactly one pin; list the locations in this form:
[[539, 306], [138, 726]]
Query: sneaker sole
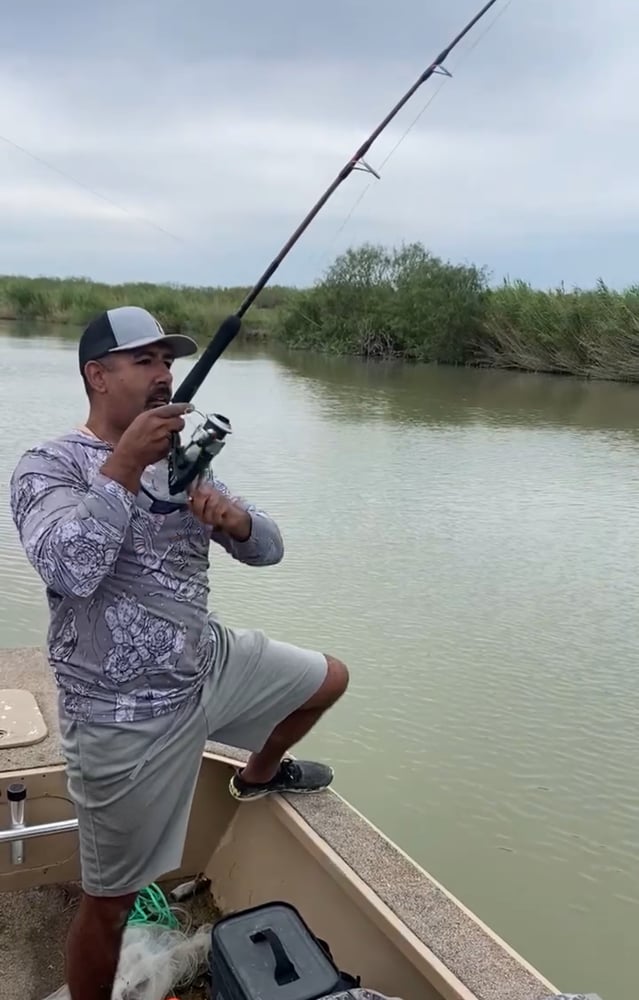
[[239, 797]]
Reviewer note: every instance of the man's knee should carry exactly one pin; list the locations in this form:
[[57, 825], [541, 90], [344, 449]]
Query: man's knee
[[335, 682]]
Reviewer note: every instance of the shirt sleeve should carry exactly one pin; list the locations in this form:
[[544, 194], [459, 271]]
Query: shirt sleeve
[[71, 532], [264, 546]]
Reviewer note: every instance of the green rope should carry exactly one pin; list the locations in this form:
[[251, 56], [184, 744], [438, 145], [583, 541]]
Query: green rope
[[152, 907]]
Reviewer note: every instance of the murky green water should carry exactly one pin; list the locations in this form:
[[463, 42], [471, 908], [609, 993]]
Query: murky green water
[[468, 543]]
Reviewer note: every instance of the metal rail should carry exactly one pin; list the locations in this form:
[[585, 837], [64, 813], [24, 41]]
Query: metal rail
[[38, 830]]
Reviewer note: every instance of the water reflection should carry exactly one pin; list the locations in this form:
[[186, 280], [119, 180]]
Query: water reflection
[[438, 395], [369, 391]]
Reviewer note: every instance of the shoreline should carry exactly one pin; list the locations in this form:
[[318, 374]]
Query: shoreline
[[378, 304], [260, 334], [250, 333]]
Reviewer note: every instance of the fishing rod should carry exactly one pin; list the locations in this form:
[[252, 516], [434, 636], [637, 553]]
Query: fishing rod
[[187, 463]]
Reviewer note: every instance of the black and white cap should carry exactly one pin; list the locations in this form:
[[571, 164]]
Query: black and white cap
[[125, 328]]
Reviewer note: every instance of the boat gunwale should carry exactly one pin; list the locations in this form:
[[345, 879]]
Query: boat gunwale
[[347, 844]]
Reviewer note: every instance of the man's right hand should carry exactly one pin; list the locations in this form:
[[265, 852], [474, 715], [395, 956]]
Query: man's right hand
[[145, 441]]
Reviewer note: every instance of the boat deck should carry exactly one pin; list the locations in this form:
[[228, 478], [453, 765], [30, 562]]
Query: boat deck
[[487, 966], [33, 927]]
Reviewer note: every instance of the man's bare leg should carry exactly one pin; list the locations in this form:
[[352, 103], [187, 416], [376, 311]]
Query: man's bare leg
[[93, 945], [262, 767]]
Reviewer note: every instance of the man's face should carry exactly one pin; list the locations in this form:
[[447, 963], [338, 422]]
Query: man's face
[[130, 382]]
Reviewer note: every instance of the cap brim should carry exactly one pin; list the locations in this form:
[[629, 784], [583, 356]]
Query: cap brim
[[180, 344]]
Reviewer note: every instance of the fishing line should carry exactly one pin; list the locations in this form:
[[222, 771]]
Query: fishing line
[[85, 187], [464, 55], [187, 463], [179, 239]]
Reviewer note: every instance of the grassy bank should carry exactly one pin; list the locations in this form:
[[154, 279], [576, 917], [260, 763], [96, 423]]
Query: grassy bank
[[380, 303], [178, 307], [408, 303]]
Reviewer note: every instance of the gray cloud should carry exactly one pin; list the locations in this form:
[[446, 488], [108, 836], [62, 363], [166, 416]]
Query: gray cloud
[[224, 127]]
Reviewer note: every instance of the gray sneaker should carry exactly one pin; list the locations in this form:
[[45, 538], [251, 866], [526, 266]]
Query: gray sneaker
[[304, 777]]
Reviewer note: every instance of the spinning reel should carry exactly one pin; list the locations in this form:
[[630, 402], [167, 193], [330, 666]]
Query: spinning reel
[[188, 462]]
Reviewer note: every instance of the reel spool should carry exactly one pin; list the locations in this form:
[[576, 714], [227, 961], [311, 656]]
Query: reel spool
[[188, 462]]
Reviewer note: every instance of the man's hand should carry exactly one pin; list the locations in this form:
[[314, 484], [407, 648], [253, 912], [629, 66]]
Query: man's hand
[[148, 438], [146, 441], [214, 509]]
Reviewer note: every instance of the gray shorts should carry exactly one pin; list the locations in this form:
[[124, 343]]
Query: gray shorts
[[132, 783]]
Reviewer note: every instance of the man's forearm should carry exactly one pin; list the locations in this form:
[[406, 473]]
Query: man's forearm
[[240, 528], [253, 537], [261, 544]]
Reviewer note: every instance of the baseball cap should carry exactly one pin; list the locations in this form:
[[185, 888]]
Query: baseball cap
[[125, 328]]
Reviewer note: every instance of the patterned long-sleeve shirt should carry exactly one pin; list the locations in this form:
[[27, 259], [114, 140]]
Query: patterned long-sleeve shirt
[[130, 633]]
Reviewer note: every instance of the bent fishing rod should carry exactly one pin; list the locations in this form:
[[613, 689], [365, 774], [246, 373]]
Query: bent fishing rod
[[188, 463]]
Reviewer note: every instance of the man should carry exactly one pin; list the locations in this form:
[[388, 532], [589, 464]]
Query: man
[[145, 675]]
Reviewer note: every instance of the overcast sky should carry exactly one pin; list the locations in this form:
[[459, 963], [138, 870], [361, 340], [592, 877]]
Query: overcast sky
[[223, 128]]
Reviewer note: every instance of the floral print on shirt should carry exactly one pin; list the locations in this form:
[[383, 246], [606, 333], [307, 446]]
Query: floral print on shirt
[[130, 633]]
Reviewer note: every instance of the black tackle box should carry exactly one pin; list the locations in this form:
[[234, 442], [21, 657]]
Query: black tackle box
[[268, 952]]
